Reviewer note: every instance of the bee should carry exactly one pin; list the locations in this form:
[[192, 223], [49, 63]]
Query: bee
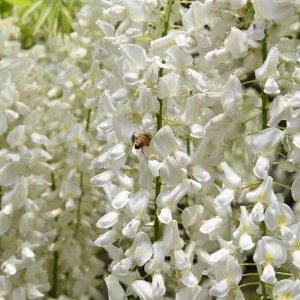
[[141, 140]]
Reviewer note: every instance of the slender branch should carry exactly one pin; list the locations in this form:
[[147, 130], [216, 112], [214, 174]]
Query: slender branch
[[167, 17], [188, 146], [247, 264], [54, 285], [282, 185], [250, 274], [159, 117], [253, 117], [53, 292], [250, 81], [248, 284], [264, 96], [264, 125], [87, 127], [285, 274]]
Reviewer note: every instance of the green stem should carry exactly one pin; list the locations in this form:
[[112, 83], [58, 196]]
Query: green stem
[[156, 221], [248, 284], [264, 290], [87, 127], [284, 274], [248, 120], [159, 117], [264, 110], [53, 292], [264, 96], [247, 264], [264, 125], [188, 146], [167, 17], [54, 285], [282, 185], [53, 185], [250, 274]]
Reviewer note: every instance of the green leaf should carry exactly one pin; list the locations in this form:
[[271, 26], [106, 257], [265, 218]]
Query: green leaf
[[64, 21], [23, 3], [52, 20], [66, 13], [5, 9], [32, 8], [46, 10]]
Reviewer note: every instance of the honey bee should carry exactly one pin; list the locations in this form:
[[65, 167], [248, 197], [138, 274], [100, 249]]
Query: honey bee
[[141, 140]]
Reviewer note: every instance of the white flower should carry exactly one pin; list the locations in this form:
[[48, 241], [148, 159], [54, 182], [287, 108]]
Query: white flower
[[286, 289], [246, 230], [279, 110], [188, 293], [168, 86], [237, 43], [271, 87], [103, 178], [296, 189], [229, 273], [157, 266], [231, 180], [143, 289], [171, 237], [5, 222], [135, 56], [272, 10], [114, 288], [196, 17], [279, 215], [170, 172], [16, 137], [293, 245], [165, 142], [261, 167], [108, 220], [140, 10], [178, 59], [5, 286], [269, 252], [139, 253], [264, 193], [266, 141], [269, 67], [160, 45]]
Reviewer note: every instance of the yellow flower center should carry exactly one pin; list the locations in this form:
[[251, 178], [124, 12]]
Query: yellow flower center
[[280, 220], [261, 197], [244, 229], [268, 257]]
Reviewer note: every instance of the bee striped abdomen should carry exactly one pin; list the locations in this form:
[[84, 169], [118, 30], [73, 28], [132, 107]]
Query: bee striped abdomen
[[142, 140]]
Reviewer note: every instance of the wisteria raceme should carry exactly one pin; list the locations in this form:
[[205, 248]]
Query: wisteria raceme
[[209, 199], [152, 153], [47, 206]]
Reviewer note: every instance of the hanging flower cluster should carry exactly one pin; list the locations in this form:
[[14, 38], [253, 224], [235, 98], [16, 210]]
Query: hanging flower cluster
[[189, 111], [48, 209], [200, 128]]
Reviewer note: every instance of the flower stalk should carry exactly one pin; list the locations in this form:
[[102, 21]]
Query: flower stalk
[[159, 117], [264, 117], [264, 96], [87, 126]]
